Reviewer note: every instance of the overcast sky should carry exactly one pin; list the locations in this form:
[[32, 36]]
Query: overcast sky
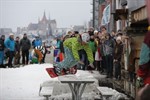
[[15, 13]]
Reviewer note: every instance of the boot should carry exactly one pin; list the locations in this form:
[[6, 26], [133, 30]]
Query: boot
[[2, 66]]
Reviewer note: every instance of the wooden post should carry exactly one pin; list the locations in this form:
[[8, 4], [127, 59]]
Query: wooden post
[[148, 9]]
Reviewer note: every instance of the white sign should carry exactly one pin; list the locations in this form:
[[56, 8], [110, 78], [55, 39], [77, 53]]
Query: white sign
[[106, 15]]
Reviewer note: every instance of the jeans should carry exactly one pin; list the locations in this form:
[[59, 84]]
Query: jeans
[[117, 66], [10, 56], [1, 57], [109, 64], [68, 61], [83, 58]]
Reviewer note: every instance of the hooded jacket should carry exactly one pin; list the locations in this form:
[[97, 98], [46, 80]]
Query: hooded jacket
[[10, 44], [74, 45]]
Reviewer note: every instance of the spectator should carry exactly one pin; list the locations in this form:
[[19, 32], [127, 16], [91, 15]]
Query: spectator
[[91, 31], [99, 34], [10, 47], [98, 56], [76, 33], [144, 93], [2, 46], [17, 51], [117, 58], [113, 34], [102, 49], [103, 30], [96, 33], [92, 45], [37, 42], [38, 54], [144, 64], [109, 50], [46, 51], [25, 46]]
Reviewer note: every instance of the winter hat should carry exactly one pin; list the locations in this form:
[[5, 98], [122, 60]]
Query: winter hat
[[11, 34], [118, 38], [2, 36], [85, 37], [95, 32]]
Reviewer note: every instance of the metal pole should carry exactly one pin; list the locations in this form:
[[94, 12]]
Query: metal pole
[[94, 13], [113, 26]]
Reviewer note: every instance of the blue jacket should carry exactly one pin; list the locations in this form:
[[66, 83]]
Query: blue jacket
[[37, 43], [10, 44]]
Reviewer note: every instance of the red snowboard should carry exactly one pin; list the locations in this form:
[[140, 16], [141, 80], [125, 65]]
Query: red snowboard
[[52, 73]]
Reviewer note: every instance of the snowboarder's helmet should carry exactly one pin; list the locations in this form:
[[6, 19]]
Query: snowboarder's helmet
[[85, 37]]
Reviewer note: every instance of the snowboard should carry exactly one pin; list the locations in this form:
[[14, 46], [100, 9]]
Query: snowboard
[[53, 73]]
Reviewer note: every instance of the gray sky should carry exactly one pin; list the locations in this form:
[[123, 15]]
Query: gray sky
[[15, 13]]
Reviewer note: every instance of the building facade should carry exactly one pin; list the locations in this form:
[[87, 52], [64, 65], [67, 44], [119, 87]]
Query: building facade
[[131, 17], [44, 28]]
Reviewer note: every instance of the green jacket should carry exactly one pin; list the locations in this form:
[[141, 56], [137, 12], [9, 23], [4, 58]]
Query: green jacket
[[92, 45], [74, 45]]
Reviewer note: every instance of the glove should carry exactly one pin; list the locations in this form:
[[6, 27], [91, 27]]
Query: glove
[[81, 62], [91, 64], [140, 82]]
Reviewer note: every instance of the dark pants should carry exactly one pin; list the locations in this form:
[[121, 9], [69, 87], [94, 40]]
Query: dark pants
[[10, 58], [17, 58], [103, 64], [25, 54], [98, 65], [83, 57], [43, 60], [117, 66], [1, 59], [109, 65]]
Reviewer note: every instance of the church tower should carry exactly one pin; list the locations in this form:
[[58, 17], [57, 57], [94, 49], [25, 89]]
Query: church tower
[[44, 19]]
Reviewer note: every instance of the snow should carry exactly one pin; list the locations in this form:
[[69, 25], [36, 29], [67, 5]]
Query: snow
[[23, 84]]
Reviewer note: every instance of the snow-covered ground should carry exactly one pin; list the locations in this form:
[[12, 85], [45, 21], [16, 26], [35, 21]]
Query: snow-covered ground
[[23, 83]]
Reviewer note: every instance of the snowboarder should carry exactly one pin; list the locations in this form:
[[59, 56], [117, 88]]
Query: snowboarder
[[71, 48]]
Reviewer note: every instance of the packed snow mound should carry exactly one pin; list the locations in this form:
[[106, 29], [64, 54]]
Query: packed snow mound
[[24, 82], [115, 94]]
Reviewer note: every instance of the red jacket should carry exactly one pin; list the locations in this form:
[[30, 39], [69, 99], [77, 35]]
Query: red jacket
[[144, 64]]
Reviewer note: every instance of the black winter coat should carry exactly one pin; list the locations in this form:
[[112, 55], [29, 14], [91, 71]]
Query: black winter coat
[[118, 51], [2, 46], [25, 44], [17, 46]]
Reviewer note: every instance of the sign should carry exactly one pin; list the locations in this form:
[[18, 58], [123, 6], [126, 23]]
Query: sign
[[106, 16]]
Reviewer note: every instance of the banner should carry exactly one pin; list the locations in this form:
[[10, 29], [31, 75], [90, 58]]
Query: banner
[[106, 16]]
